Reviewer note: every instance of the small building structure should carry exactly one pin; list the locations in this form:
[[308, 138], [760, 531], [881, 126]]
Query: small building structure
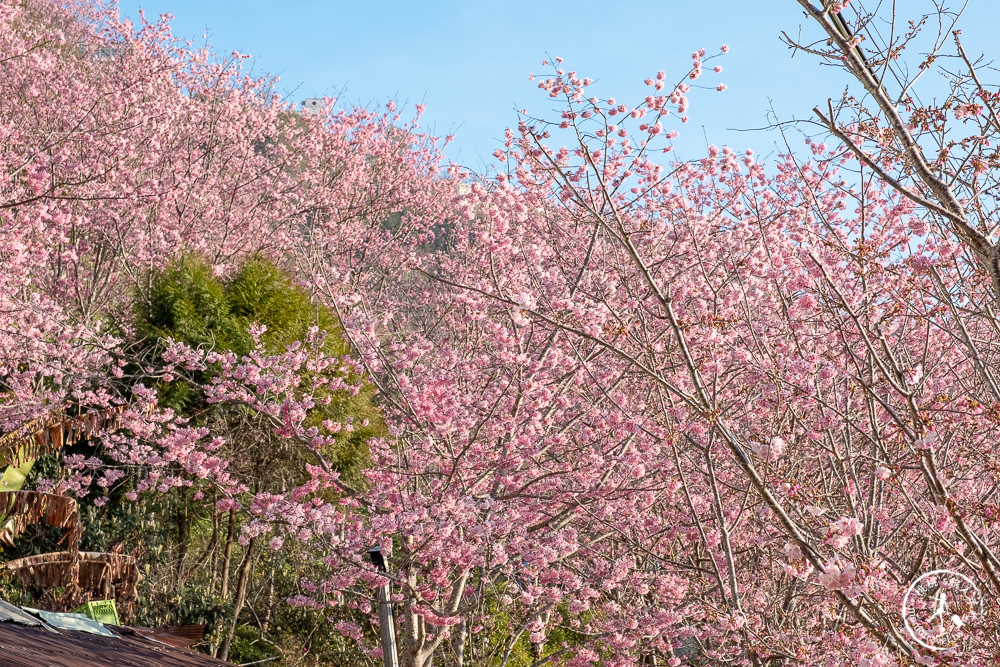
[[60, 640]]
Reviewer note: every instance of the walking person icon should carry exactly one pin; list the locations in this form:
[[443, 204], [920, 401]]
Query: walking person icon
[[942, 609]]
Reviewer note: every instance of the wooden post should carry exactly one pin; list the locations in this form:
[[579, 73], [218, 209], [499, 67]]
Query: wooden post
[[386, 621]]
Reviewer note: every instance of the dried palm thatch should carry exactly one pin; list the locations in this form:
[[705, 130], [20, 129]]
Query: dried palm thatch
[[25, 508], [51, 432], [86, 575], [83, 576]]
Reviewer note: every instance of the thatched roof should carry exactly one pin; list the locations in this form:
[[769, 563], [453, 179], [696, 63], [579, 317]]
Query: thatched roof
[[99, 576], [49, 433], [25, 508]]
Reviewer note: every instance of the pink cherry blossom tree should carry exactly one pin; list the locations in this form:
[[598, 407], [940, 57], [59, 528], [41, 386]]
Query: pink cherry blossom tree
[[639, 410], [725, 414]]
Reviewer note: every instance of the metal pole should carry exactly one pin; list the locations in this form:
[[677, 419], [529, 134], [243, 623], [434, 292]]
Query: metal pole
[[385, 618]]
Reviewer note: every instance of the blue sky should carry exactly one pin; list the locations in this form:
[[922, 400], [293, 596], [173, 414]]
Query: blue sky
[[469, 61]]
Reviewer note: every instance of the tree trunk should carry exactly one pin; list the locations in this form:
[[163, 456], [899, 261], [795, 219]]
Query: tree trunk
[[269, 602], [417, 652], [209, 550], [413, 631], [458, 643], [182, 538], [215, 552], [538, 648], [227, 558], [241, 598], [226, 561]]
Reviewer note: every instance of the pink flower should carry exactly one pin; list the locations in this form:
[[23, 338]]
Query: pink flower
[[348, 629], [838, 541], [772, 451], [724, 49], [839, 576], [775, 448], [927, 441], [848, 526], [966, 110], [721, 87], [793, 551]]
